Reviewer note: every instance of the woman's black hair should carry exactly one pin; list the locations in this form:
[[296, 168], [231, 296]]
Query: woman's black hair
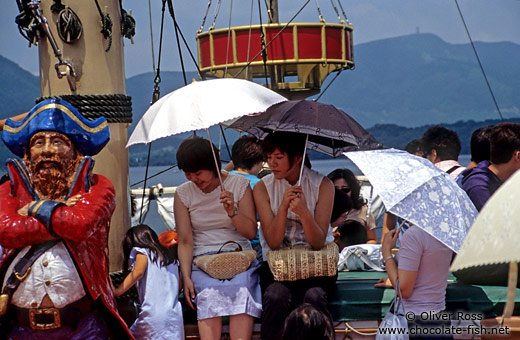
[[291, 143], [194, 154], [143, 236], [307, 323], [353, 184], [246, 152]]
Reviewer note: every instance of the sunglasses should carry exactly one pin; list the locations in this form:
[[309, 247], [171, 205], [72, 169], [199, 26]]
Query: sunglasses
[[345, 190]]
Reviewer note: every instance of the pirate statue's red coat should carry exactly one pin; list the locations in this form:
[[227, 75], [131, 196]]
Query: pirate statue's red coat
[[81, 227]]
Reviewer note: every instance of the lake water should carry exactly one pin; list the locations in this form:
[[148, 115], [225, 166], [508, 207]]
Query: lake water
[[175, 177]]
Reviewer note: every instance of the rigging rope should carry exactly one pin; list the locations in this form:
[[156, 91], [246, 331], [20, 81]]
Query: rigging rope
[[336, 10], [127, 23], [228, 36], [154, 175], [249, 34], [319, 12], [155, 96], [276, 36], [343, 11], [172, 14], [28, 25], [478, 60], [322, 92], [217, 10], [262, 46], [201, 29], [116, 108], [106, 26], [151, 36], [68, 25]]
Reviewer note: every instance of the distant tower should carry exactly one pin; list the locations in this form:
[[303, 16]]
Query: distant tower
[[417, 30]]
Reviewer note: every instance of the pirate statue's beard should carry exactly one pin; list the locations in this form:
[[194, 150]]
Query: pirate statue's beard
[[52, 176]]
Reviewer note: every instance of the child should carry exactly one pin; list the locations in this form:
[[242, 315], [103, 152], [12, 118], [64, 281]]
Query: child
[[156, 272], [350, 233], [307, 322]]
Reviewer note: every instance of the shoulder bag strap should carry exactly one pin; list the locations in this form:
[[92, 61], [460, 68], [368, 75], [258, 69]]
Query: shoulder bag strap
[[453, 168]]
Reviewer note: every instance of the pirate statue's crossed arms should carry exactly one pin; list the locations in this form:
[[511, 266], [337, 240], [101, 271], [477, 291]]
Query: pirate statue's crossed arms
[[54, 222]]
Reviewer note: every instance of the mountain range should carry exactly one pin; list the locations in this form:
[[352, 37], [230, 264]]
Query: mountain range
[[398, 87]]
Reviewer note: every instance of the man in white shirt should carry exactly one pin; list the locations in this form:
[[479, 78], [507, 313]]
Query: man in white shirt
[[442, 148]]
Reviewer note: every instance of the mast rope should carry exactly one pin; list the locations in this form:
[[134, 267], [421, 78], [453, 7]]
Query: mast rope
[[276, 36], [106, 26], [201, 29], [217, 10], [336, 10], [343, 11], [228, 36], [478, 60], [116, 108], [155, 97], [319, 11], [263, 47], [269, 12], [176, 26], [127, 23], [68, 25], [249, 34], [151, 36], [28, 25], [322, 92], [154, 175]]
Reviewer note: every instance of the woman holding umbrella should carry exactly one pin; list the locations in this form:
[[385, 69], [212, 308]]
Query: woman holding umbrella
[[206, 218], [292, 211]]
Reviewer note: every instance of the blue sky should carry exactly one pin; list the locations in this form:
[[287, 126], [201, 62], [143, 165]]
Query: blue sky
[[488, 20]]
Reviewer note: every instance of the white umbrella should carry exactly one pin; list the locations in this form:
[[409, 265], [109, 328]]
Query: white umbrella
[[494, 237], [200, 105]]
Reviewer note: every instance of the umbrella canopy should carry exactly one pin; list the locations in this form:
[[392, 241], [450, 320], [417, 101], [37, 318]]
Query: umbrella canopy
[[414, 189], [494, 237], [330, 130], [200, 105]]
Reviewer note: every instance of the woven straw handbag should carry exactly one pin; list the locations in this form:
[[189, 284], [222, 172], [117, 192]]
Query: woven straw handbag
[[301, 262], [224, 266]]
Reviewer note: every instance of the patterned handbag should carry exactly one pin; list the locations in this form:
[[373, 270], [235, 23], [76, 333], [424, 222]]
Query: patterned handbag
[[224, 266], [301, 262]]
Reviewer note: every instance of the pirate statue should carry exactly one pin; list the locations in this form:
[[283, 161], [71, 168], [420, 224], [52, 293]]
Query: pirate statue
[[54, 222]]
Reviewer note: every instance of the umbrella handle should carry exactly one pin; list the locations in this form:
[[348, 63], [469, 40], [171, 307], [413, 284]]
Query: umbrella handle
[[303, 160], [215, 159], [511, 292]]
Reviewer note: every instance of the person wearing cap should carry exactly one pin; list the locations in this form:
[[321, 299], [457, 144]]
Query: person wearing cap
[[54, 223]]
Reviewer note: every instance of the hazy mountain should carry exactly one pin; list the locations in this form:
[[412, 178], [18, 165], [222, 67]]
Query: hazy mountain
[[18, 88], [420, 79], [410, 81]]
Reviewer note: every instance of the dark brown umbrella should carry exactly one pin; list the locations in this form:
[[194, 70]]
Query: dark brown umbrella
[[330, 130]]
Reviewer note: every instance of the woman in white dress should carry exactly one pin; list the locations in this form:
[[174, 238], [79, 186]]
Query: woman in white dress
[[207, 216]]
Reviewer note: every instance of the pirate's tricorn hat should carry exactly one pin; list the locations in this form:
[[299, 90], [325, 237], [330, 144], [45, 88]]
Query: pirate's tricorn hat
[[89, 137]]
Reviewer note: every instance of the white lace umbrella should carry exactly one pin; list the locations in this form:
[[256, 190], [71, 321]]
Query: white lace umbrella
[[494, 237], [200, 105], [414, 189]]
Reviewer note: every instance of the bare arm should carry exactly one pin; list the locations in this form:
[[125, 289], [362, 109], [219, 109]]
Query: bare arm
[[389, 222], [244, 218], [273, 227], [316, 227], [185, 247], [141, 262], [407, 278]]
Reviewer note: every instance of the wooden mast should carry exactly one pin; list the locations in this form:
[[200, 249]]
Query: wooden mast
[[100, 73]]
